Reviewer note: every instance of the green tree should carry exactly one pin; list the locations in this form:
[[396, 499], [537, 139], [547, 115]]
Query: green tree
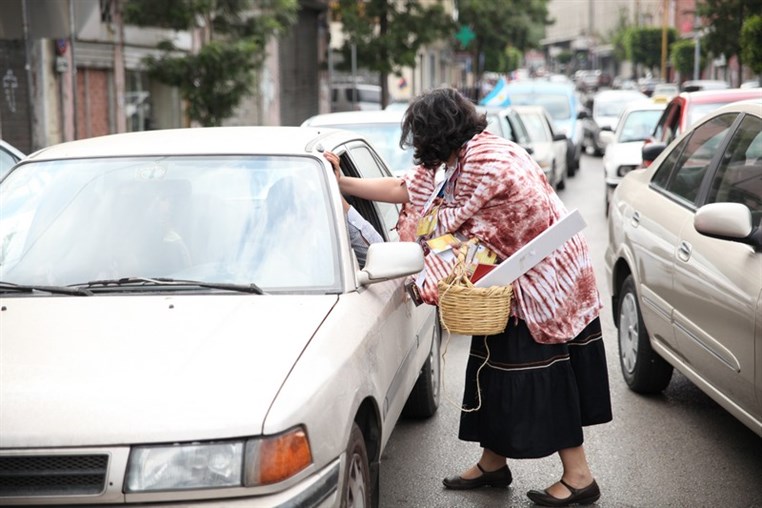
[[388, 34], [502, 24], [215, 79], [682, 55], [644, 45], [751, 47], [723, 20]]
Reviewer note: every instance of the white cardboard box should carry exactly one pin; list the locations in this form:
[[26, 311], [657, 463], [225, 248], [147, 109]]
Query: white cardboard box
[[535, 251]]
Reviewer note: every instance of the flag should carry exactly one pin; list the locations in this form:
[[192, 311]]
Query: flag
[[498, 96]]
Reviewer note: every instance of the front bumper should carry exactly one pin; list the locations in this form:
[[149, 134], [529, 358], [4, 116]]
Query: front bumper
[[319, 489]]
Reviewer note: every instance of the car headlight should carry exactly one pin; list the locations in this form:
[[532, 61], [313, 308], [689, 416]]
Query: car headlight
[[185, 466], [256, 461], [623, 170]]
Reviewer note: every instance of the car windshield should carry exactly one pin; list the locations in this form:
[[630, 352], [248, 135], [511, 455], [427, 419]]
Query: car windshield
[[239, 220], [638, 125], [557, 105], [610, 108], [385, 138], [697, 111]]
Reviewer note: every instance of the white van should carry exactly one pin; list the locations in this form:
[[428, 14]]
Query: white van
[[355, 97]]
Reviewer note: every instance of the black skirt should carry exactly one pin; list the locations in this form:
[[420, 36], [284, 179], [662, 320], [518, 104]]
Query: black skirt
[[535, 398]]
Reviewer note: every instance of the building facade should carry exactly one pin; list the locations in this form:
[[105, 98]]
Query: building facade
[[73, 69]]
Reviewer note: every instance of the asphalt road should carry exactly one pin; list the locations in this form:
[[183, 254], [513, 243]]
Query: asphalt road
[[677, 449]]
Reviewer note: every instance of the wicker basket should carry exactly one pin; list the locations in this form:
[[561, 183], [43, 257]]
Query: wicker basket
[[468, 310]]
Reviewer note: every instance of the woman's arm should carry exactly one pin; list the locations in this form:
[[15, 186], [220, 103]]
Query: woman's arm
[[387, 189]]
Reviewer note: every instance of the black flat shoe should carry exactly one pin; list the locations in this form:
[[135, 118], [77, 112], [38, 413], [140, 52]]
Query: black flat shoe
[[498, 478], [588, 495]]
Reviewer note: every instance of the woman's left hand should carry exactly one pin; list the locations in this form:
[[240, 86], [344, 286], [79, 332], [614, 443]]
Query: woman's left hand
[[334, 160]]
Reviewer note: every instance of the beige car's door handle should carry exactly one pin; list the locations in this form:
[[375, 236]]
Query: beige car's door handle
[[684, 251], [635, 220]]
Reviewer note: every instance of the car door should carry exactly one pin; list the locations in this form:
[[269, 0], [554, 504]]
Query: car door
[[718, 283], [679, 182], [403, 329]]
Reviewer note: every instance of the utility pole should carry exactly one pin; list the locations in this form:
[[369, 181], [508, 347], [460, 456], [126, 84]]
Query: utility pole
[[664, 17]]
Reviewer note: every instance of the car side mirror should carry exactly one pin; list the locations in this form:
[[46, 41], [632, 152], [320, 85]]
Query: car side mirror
[[728, 221], [390, 260], [651, 151], [607, 128], [607, 136], [559, 136]]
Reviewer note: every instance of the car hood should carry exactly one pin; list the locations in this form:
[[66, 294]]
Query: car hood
[[86, 371], [629, 153], [606, 121]]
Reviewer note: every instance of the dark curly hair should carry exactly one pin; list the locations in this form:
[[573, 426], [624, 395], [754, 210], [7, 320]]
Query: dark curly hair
[[438, 122]]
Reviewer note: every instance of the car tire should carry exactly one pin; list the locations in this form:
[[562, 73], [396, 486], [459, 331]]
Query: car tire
[[423, 400], [643, 370], [357, 486], [561, 184]]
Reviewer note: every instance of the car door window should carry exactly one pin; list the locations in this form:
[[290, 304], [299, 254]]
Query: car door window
[[661, 176], [367, 165], [695, 159], [739, 174]]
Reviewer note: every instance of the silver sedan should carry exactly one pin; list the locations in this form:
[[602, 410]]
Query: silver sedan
[[184, 320]]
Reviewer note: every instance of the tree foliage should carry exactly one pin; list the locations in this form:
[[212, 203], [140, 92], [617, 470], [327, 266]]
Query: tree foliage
[[644, 45], [387, 34], [723, 20], [214, 80], [682, 54], [499, 25], [751, 43]]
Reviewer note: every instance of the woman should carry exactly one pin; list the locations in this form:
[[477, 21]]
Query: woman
[[545, 376]]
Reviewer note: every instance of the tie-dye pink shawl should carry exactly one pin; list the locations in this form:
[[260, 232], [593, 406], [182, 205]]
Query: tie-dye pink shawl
[[501, 196]]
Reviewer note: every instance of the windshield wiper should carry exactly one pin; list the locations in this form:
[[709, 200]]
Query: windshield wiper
[[31, 288], [165, 281]]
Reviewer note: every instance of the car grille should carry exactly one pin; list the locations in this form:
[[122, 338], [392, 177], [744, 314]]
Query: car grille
[[52, 475]]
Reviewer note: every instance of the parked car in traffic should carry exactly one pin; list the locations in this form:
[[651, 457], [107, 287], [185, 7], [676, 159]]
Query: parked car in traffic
[[185, 323], [381, 128], [695, 85], [507, 123], [685, 109], [355, 97], [605, 108], [624, 145], [9, 156], [684, 263], [548, 147], [562, 102]]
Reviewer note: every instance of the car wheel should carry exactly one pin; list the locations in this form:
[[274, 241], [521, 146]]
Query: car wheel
[[644, 371], [561, 184], [356, 493], [423, 401]]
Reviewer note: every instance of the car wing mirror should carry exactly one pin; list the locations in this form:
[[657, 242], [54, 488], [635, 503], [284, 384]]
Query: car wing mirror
[[558, 136], [390, 260], [728, 221], [651, 151]]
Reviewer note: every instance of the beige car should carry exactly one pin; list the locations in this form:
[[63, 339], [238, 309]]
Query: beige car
[[684, 263], [185, 323]]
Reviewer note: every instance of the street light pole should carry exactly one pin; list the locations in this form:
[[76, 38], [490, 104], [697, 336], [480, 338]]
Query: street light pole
[[696, 47]]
